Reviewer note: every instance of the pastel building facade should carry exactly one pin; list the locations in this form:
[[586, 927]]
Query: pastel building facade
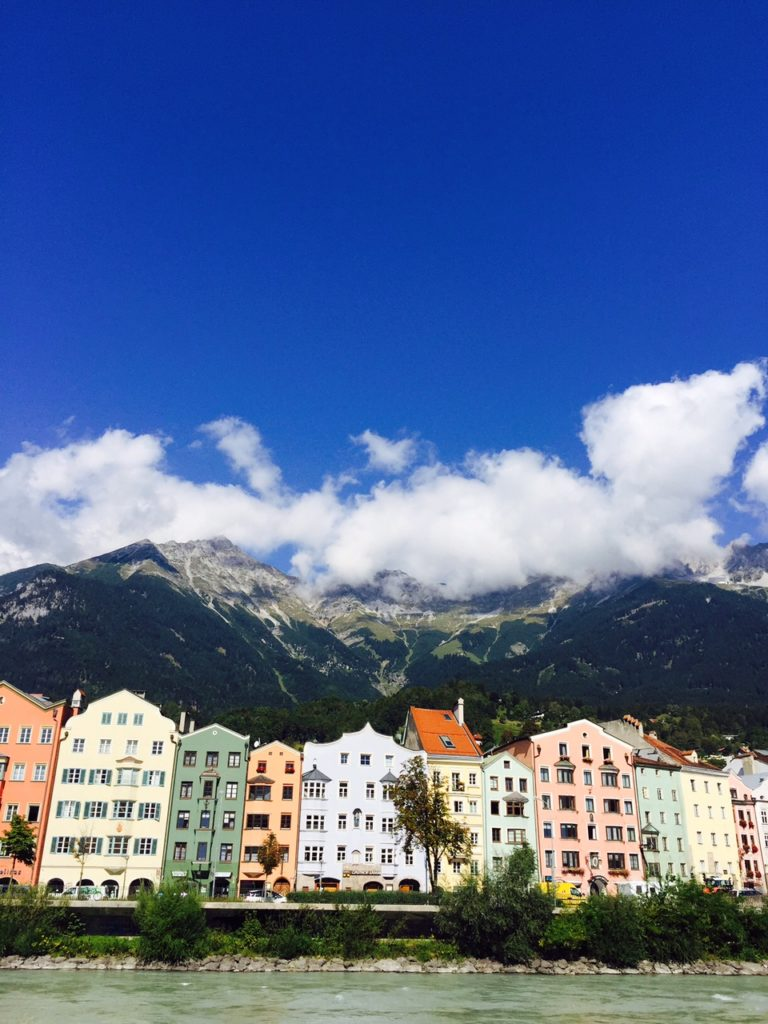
[[587, 820], [272, 805], [455, 759], [751, 768], [347, 834], [747, 806], [205, 826], [111, 797], [509, 806], [30, 727]]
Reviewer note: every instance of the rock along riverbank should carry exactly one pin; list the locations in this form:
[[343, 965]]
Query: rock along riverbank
[[398, 965]]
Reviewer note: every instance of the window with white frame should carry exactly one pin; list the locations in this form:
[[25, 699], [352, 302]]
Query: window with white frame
[[314, 790], [78, 745], [343, 789], [73, 775], [314, 822], [368, 856], [122, 808], [40, 773], [106, 717], [388, 825], [369, 823], [95, 809], [341, 854], [138, 718], [46, 734], [68, 809], [105, 746], [387, 855], [25, 734], [131, 748], [61, 844], [144, 847], [230, 791], [157, 747], [150, 812], [4, 731], [18, 771], [342, 822], [118, 845], [11, 810], [370, 791], [99, 776], [154, 777], [365, 759], [313, 854], [127, 776]]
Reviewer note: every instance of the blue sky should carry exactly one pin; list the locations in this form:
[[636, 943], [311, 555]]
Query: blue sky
[[454, 222]]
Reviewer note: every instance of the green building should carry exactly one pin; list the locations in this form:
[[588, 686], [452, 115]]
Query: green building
[[206, 820]]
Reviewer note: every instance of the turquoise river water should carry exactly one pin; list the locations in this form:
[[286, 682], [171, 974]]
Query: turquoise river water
[[143, 997]]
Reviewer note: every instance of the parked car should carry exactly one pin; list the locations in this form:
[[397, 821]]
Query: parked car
[[256, 896], [85, 892], [566, 894]]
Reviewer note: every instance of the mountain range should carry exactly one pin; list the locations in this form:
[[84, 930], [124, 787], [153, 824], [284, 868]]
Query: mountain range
[[204, 624]]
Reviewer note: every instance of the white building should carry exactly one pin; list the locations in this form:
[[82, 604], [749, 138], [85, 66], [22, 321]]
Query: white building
[[346, 834], [110, 802]]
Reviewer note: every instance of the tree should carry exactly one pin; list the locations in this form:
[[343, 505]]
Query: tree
[[424, 820], [81, 850], [269, 854], [21, 842]]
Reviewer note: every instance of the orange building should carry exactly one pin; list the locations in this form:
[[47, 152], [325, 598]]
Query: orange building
[[272, 804], [29, 741]]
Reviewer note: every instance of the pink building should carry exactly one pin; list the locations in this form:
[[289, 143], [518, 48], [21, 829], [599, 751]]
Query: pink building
[[586, 806], [29, 743], [751, 860]]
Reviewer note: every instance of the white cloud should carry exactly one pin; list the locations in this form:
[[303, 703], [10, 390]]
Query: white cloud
[[390, 456], [660, 454]]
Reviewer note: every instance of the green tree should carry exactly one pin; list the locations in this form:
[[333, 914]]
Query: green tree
[[424, 820], [268, 854], [21, 842], [172, 926]]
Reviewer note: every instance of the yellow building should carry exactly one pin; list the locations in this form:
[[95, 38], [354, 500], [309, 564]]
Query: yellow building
[[455, 760]]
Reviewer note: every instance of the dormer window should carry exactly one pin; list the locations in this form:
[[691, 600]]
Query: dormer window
[[448, 742]]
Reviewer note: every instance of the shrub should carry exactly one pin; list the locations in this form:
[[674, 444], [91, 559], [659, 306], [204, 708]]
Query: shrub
[[288, 943], [31, 919], [500, 915], [614, 931], [172, 926], [352, 933], [565, 937]]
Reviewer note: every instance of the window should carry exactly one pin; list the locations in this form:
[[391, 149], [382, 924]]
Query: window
[[341, 854], [4, 734], [369, 823], [105, 746], [567, 803], [314, 790], [365, 759], [544, 774], [370, 791], [409, 857], [144, 847], [205, 819], [549, 858], [473, 806], [634, 861], [46, 734], [386, 791], [190, 758], [118, 845], [185, 790], [344, 758], [565, 775], [609, 779], [342, 822], [626, 783], [458, 806], [585, 753], [629, 809], [251, 854], [212, 759], [587, 778], [631, 834], [73, 775], [315, 823], [494, 806], [563, 749], [546, 802], [153, 778], [106, 718], [589, 805], [18, 771], [592, 833], [157, 747], [40, 773], [78, 745], [149, 812], [570, 859], [472, 778], [284, 852], [290, 768], [313, 854], [388, 825], [612, 806], [202, 851], [494, 782], [122, 808], [95, 809], [233, 759], [368, 855], [225, 852], [516, 836], [569, 831], [230, 791], [257, 821], [343, 789], [100, 777], [180, 851], [387, 855], [122, 718], [68, 809], [447, 742], [61, 844], [131, 747], [616, 861], [285, 821], [182, 819], [229, 820], [547, 829], [614, 833], [607, 754], [495, 835], [259, 792], [138, 718], [288, 792]]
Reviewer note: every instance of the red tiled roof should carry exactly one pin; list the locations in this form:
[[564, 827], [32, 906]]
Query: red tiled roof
[[678, 756], [431, 725]]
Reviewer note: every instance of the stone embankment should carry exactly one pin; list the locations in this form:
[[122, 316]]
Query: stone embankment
[[399, 965]]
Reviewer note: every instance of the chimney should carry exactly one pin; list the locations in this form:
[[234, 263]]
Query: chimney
[[76, 702], [182, 721], [459, 711], [191, 725]]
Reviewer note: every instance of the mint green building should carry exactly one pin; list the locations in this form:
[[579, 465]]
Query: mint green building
[[206, 820]]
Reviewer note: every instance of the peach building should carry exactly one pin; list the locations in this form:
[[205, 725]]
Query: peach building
[[29, 741], [272, 804], [750, 852], [587, 816]]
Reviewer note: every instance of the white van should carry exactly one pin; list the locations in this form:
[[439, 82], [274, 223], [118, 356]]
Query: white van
[[85, 892]]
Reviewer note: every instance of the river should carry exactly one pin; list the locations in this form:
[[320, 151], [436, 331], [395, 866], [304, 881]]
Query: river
[[144, 997]]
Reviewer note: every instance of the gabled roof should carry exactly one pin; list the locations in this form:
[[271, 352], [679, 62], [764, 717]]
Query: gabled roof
[[677, 756], [389, 777], [34, 698], [435, 727], [315, 775]]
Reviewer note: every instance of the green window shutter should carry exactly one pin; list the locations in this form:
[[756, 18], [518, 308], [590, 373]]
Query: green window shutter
[[157, 812], [87, 809], [140, 814], [53, 845], [91, 776], [98, 845], [162, 778], [144, 778], [76, 809], [64, 774], [58, 809], [109, 777], [154, 847], [135, 846]]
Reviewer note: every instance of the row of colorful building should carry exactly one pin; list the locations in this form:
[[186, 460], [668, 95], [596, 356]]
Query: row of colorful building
[[121, 797]]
